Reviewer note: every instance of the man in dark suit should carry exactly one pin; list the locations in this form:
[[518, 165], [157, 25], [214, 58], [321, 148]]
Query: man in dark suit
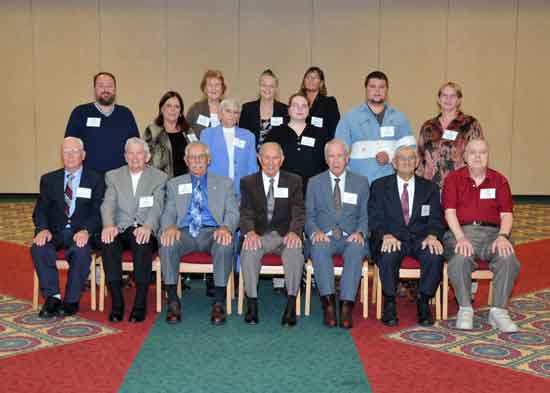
[[405, 219], [272, 221], [66, 216], [337, 223]]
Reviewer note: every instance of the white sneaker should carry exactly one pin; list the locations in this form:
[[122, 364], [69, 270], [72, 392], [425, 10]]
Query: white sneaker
[[500, 319], [465, 318]]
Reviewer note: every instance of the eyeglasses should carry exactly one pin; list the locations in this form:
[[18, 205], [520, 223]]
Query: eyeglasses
[[198, 157], [71, 151]]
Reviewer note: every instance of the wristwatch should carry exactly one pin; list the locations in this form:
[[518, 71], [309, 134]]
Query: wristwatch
[[505, 235]]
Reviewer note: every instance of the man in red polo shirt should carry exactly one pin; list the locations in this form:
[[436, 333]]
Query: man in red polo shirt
[[478, 209]]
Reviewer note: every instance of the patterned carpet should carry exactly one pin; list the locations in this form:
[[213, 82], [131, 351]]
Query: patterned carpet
[[22, 331], [528, 350]]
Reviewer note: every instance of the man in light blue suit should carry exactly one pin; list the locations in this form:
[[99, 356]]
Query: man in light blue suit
[[233, 149], [337, 224]]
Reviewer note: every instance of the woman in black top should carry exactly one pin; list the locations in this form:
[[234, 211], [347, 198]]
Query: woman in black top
[[303, 144], [323, 109], [168, 136], [261, 115]]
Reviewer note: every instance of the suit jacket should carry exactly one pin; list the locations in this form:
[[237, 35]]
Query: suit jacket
[[251, 118], [320, 212], [221, 202], [244, 160], [386, 215], [288, 215], [121, 207], [49, 210], [325, 107]]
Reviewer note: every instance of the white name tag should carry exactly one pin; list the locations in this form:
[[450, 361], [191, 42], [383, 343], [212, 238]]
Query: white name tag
[[93, 122], [317, 121], [214, 121], [387, 131], [308, 141], [276, 121], [185, 188], [487, 193], [349, 198], [240, 143], [450, 135], [281, 192], [425, 211], [203, 121], [192, 137], [146, 201], [83, 192]]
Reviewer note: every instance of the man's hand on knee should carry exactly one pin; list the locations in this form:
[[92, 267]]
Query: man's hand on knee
[[42, 237], [292, 240], [81, 238], [169, 236], [252, 241], [223, 236], [142, 234], [390, 244], [108, 234], [464, 247]]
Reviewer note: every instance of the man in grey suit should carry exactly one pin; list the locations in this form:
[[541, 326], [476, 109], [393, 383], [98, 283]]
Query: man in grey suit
[[130, 212], [201, 214], [337, 224]]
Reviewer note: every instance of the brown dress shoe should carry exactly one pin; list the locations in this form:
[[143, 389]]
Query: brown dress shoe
[[329, 310], [217, 316], [174, 313], [346, 314]]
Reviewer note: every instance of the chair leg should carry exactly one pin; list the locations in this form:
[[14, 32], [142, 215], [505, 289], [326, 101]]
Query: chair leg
[[309, 269], [378, 295], [365, 290], [490, 297], [228, 297], [101, 286], [158, 282], [35, 291], [438, 303], [93, 284], [298, 302], [179, 286], [374, 283], [445, 297], [240, 300]]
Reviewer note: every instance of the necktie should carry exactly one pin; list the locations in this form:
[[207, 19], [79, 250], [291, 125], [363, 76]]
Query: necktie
[[270, 200], [68, 195], [405, 204], [337, 195], [196, 211]]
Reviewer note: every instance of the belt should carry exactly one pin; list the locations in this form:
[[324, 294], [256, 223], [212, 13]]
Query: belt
[[482, 224]]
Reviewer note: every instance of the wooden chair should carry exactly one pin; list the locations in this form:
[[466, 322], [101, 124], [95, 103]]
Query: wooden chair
[[410, 268], [63, 264], [338, 262], [201, 262], [481, 273], [272, 264], [128, 266]]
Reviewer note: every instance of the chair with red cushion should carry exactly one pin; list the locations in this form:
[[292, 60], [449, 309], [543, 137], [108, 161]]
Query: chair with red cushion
[[338, 262], [128, 266], [63, 264], [272, 264], [201, 262], [410, 268]]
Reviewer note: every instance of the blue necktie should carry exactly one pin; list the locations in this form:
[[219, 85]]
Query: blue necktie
[[196, 211]]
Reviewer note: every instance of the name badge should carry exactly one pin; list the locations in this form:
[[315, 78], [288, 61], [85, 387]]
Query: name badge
[[240, 143], [387, 131], [487, 193], [203, 121], [317, 121], [192, 137], [93, 122], [349, 198], [185, 188], [281, 192], [425, 211], [307, 141], [146, 201], [84, 192], [214, 121], [450, 135], [276, 121]]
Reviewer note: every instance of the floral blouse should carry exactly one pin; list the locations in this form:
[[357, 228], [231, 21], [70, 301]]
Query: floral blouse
[[441, 150]]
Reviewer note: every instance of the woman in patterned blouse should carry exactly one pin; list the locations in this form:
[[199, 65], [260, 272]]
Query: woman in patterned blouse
[[442, 140]]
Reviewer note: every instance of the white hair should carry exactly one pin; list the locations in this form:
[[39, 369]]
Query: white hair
[[336, 141], [74, 138], [137, 141], [192, 144], [230, 103]]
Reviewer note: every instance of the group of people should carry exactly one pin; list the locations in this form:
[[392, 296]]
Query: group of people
[[295, 180]]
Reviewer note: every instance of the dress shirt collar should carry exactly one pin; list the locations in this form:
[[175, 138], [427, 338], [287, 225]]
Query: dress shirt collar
[[202, 180], [342, 178], [266, 178]]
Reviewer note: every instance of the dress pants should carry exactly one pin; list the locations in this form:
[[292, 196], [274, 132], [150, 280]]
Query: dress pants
[[142, 256], [222, 256], [431, 267], [293, 264], [79, 258], [505, 269], [353, 253]]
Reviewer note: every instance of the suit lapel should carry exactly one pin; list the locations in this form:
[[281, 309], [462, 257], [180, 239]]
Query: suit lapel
[[261, 191], [59, 188], [142, 183], [327, 190], [394, 198], [417, 198], [127, 183]]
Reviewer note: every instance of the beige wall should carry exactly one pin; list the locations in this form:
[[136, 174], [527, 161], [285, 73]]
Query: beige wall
[[498, 51]]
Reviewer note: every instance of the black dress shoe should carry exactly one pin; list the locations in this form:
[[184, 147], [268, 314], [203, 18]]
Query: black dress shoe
[[51, 308], [173, 315], [329, 310], [217, 316], [346, 314], [289, 316], [116, 315], [70, 309], [424, 314], [251, 316], [137, 315], [389, 316]]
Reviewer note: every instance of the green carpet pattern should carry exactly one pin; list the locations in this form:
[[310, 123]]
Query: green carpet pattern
[[195, 356]]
